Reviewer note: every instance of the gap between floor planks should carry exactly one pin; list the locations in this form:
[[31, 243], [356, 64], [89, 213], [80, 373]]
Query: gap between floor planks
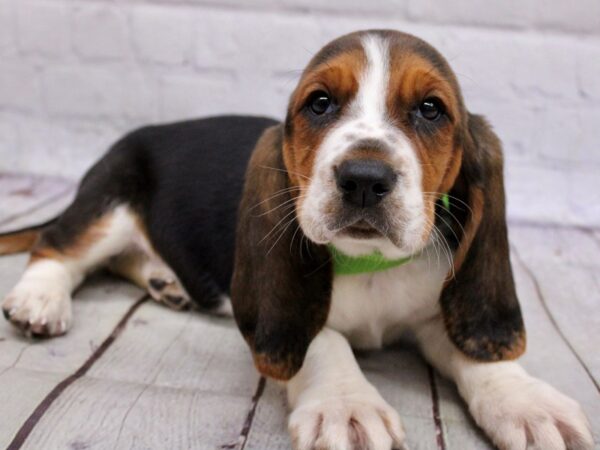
[[30, 423]]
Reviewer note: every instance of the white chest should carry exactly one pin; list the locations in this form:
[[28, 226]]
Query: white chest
[[374, 309]]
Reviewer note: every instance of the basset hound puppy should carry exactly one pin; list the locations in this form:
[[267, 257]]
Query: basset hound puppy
[[374, 210]]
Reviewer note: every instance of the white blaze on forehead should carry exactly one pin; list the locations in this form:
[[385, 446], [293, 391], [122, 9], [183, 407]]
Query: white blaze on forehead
[[369, 103], [366, 116]]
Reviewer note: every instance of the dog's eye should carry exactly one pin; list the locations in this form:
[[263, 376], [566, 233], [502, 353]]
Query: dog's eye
[[431, 109], [320, 103]]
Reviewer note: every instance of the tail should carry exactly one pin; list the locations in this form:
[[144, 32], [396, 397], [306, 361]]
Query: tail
[[22, 240]]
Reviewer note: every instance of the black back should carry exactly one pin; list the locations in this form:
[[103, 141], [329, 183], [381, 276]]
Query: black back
[[185, 180]]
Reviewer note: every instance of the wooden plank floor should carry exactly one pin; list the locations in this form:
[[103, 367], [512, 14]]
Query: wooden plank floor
[[132, 374]]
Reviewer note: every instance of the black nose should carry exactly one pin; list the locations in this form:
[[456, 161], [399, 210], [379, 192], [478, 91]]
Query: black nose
[[364, 182]]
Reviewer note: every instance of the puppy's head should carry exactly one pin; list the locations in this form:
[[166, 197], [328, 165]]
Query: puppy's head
[[373, 138], [376, 133]]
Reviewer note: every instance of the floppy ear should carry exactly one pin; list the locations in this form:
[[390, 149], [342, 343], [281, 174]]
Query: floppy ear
[[479, 304], [281, 285]]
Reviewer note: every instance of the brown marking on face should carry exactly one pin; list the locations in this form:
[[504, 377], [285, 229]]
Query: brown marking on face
[[418, 73], [339, 77], [367, 153]]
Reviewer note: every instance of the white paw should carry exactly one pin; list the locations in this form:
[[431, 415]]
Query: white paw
[[346, 423], [39, 309], [521, 412]]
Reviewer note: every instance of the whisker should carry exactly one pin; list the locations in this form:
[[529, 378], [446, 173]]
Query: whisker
[[440, 244], [283, 207], [290, 200], [286, 171], [277, 225], [287, 225], [434, 232], [276, 194], [446, 249], [292, 241], [450, 197], [448, 225], [453, 216]]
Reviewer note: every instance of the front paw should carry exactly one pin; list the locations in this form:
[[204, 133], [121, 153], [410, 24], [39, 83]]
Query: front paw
[[38, 310], [346, 423], [521, 413]]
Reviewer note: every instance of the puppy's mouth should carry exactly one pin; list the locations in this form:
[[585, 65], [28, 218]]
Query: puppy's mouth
[[361, 229], [363, 224]]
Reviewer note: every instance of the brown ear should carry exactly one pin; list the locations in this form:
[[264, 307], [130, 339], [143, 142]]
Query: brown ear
[[281, 285], [479, 303]]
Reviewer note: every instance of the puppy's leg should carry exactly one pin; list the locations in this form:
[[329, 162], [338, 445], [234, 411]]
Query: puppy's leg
[[333, 404], [40, 303], [146, 269], [517, 411], [142, 265]]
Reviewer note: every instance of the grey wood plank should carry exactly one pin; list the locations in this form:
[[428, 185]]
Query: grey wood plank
[[269, 425], [11, 345], [557, 246], [22, 194], [459, 430], [180, 349], [400, 376], [20, 393], [171, 380], [548, 356], [565, 264], [107, 414]]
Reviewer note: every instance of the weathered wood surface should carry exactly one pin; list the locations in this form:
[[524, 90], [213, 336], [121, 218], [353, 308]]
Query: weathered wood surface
[[180, 350], [564, 266], [23, 198], [30, 369], [110, 414], [171, 380], [183, 380]]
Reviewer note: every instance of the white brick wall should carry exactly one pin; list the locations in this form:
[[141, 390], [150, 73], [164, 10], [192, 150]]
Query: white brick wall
[[75, 74]]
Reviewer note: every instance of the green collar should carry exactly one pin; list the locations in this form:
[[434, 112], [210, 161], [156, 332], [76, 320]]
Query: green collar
[[375, 262], [353, 265]]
